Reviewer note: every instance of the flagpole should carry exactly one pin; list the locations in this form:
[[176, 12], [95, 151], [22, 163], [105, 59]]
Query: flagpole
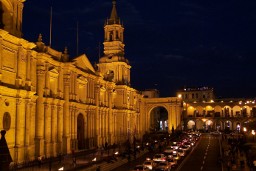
[[77, 40], [50, 41]]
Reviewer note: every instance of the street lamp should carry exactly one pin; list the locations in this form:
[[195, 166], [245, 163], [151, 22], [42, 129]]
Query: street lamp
[[253, 134]]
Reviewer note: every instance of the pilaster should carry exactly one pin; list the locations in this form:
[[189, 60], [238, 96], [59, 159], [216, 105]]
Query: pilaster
[[66, 115], [39, 126], [19, 131], [47, 130], [1, 58], [53, 130], [59, 128]]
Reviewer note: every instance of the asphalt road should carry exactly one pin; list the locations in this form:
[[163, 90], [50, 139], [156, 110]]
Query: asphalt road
[[204, 156]]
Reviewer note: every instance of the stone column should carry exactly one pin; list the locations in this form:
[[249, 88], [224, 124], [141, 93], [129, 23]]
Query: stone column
[[47, 80], [28, 128], [59, 128], [88, 129], [19, 55], [72, 112], [75, 129], [19, 131], [97, 114], [33, 73], [39, 133], [66, 116], [28, 70], [1, 57], [47, 130], [53, 130]]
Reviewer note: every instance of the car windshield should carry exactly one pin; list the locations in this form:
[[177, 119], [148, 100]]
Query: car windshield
[[158, 156], [138, 167], [162, 164]]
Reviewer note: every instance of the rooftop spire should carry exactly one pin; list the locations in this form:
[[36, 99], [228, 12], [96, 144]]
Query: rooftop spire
[[114, 19]]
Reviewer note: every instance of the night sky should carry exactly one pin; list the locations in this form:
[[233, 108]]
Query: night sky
[[170, 44]]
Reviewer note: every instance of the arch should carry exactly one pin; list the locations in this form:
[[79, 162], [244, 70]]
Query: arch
[[199, 124], [208, 125], [191, 124], [228, 125], [218, 125], [200, 111], [238, 126], [190, 111], [227, 111], [173, 107], [217, 111], [80, 131], [158, 118], [253, 114], [236, 111], [245, 111], [209, 110]]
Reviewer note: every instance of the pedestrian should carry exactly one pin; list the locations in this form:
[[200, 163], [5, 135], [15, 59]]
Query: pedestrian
[[74, 161], [39, 159], [60, 157], [229, 165], [98, 168]]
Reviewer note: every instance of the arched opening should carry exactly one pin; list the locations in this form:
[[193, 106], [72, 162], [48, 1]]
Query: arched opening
[[191, 124], [228, 126], [80, 132], [238, 127], [158, 119], [208, 125]]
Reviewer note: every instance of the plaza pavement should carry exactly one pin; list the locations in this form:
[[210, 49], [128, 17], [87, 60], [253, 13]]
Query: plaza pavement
[[85, 161]]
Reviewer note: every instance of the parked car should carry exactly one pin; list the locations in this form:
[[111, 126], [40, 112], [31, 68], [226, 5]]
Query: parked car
[[164, 166], [140, 168], [172, 162], [181, 152], [168, 149], [159, 157], [149, 164], [175, 155]]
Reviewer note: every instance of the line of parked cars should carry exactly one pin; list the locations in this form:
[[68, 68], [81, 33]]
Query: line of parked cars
[[171, 155]]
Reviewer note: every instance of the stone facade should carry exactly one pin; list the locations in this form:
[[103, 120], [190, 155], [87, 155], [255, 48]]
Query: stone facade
[[53, 104], [202, 111]]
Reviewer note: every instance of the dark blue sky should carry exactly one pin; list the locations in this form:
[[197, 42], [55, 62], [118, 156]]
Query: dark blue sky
[[170, 44]]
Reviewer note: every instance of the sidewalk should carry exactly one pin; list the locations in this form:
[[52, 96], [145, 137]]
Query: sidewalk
[[88, 162], [67, 162], [239, 162]]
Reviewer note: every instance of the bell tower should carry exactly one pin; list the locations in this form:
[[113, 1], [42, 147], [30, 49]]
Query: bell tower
[[113, 65], [11, 16]]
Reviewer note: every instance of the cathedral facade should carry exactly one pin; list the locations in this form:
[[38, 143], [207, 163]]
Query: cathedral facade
[[52, 104]]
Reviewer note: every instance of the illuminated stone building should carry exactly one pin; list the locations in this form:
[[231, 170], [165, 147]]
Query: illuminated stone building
[[202, 111], [52, 103]]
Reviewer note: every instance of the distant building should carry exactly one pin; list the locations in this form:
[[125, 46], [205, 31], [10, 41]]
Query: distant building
[[150, 93], [199, 94], [202, 111]]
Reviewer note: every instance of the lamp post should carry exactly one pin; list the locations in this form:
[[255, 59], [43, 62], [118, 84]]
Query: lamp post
[[253, 134]]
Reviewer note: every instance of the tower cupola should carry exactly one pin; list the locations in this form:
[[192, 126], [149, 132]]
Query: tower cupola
[[11, 12], [113, 65]]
